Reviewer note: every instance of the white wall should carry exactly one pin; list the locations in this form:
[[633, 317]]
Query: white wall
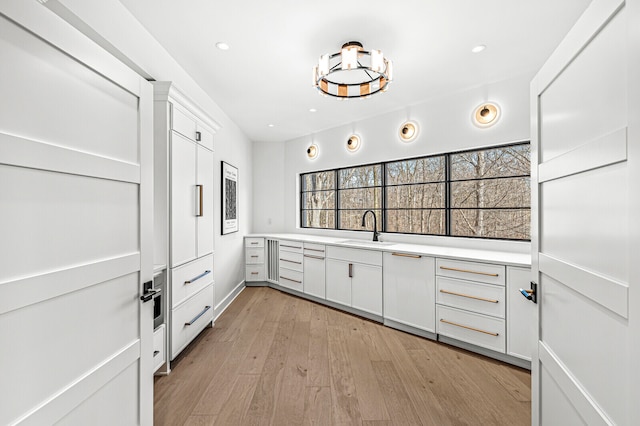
[[111, 25], [445, 125], [268, 167]]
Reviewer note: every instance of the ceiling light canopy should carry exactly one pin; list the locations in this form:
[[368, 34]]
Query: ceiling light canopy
[[352, 73], [408, 131], [486, 114]]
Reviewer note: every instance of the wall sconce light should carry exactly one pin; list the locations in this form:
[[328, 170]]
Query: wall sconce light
[[312, 151], [408, 131], [486, 115], [353, 143]]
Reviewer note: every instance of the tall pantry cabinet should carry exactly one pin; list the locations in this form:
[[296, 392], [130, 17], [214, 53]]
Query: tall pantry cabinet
[[183, 221]]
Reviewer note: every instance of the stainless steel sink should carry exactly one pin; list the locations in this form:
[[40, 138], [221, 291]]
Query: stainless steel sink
[[365, 243]]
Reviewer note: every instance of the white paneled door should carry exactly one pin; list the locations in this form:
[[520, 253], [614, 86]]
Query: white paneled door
[[75, 228], [584, 238]]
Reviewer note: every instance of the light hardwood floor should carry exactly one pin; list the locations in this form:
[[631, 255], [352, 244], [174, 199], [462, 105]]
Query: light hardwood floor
[[277, 359]]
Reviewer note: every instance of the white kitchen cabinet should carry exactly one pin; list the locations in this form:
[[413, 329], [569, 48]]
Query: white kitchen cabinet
[[354, 278], [409, 290], [191, 174], [290, 265], [520, 314], [183, 212], [470, 303], [254, 256], [314, 270]]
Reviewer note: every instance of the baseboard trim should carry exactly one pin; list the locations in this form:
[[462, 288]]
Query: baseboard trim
[[224, 304], [518, 362]]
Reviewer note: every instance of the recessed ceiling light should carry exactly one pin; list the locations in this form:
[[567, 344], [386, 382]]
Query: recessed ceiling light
[[312, 110], [272, 125], [479, 48], [222, 46]]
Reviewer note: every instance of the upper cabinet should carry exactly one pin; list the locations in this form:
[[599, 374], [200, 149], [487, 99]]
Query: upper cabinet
[[183, 177]]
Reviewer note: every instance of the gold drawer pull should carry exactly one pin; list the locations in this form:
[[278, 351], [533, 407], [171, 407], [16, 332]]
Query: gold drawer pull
[[295, 247], [469, 328], [469, 272], [290, 261], [310, 249], [255, 273], [469, 296], [289, 279], [413, 256], [314, 257], [254, 243]]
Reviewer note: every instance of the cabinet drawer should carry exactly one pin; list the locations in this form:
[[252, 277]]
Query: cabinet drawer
[[290, 279], [479, 330], [206, 136], [183, 123], [481, 298], [254, 273], [254, 242], [190, 278], [474, 271], [292, 246], [370, 257], [254, 255], [316, 250], [159, 353], [190, 318], [290, 260]]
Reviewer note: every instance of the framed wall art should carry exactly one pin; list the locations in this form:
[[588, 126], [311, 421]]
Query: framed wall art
[[229, 198]]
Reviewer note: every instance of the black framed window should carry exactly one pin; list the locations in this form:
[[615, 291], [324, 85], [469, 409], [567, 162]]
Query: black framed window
[[482, 193]]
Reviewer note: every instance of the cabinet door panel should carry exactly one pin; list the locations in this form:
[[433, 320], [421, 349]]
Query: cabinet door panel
[[409, 291], [520, 314], [205, 222], [366, 288], [183, 200], [338, 285], [314, 276]]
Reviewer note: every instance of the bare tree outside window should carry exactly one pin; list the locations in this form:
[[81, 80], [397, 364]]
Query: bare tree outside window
[[480, 193]]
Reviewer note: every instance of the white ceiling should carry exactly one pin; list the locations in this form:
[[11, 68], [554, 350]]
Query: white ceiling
[[265, 78]]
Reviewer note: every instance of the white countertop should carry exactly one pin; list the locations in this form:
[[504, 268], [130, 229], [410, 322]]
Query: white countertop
[[507, 258]]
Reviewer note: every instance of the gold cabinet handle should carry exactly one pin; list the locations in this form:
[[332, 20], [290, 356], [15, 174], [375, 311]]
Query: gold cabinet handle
[[200, 193], [254, 243], [310, 249], [314, 257], [469, 328], [290, 261], [468, 271], [254, 273], [289, 279], [295, 247], [413, 256], [469, 296]]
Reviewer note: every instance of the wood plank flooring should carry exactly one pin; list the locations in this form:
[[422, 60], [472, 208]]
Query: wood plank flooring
[[276, 359]]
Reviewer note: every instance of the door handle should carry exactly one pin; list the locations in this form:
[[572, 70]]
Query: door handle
[[148, 291], [200, 195], [532, 293], [351, 270]]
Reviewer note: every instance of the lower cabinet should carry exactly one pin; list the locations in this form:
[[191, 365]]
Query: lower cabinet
[[190, 318], [409, 290], [521, 330], [314, 270], [354, 278], [159, 353]]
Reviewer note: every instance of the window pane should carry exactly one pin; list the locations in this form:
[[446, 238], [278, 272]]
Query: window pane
[[486, 193], [496, 162], [416, 196], [358, 177], [318, 200], [366, 198], [512, 224], [318, 219], [319, 181], [352, 219], [416, 221], [417, 170]]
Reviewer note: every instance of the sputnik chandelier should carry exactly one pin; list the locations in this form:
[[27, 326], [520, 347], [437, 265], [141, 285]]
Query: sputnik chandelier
[[352, 73]]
